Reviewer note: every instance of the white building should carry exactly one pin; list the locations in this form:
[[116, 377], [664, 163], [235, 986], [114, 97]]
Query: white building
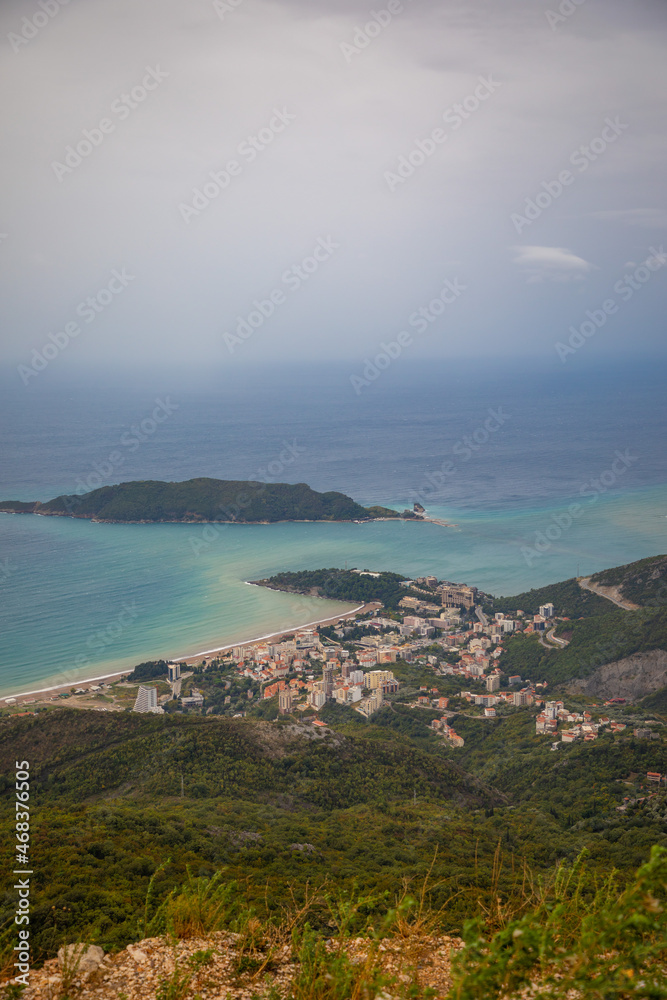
[[146, 700], [317, 698], [307, 639]]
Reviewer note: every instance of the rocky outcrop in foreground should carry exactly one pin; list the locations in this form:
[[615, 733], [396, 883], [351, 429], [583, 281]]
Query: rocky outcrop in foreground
[[221, 966]]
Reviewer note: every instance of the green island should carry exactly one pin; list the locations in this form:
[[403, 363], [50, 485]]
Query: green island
[[205, 500], [264, 809]]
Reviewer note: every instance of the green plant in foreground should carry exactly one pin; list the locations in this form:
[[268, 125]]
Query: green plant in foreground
[[330, 975], [200, 959], [12, 991], [69, 967], [195, 909], [147, 924], [177, 985], [200, 906], [254, 948], [325, 969], [582, 940]]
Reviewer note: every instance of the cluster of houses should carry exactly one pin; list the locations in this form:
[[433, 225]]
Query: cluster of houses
[[359, 679], [652, 778], [307, 671], [448, 732], [580, 724]]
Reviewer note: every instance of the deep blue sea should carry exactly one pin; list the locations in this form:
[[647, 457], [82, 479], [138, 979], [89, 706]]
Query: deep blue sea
[[545, 473]]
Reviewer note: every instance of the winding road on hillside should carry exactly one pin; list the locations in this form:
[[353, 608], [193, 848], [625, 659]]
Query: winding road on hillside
[[554, 642], [611, 593]]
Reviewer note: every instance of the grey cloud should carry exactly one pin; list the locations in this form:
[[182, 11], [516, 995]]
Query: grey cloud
[[324, 174]]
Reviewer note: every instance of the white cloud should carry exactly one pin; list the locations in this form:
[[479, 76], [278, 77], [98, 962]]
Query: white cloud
[[550, 264]]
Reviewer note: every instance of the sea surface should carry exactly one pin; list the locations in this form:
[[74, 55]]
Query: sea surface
[[543, 472]]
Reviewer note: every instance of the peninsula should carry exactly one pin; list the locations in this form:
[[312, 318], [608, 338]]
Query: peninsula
[[204, 500]]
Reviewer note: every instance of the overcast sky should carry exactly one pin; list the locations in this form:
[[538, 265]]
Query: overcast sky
[[401, 141]]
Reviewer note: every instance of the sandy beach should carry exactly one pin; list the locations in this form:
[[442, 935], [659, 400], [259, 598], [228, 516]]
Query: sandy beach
[[361, 609], [45, 695]]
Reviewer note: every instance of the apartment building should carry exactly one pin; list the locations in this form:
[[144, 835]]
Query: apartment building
[[456, 596], [146, 700], [285, 699]]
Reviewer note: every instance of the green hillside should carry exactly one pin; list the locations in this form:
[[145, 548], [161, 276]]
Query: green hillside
[[567, 597], [341, 585], [594, 641], [356, 808], [281, 807], [643, 582], [115, 796], [74, 754], [605, 634], [656, 702], [203, 500]]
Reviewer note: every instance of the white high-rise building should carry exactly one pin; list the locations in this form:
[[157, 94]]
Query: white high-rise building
[[173, 672], [146, 700], [317, 699]]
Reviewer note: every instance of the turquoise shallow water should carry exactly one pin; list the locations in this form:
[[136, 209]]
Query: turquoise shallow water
[[83, 599]]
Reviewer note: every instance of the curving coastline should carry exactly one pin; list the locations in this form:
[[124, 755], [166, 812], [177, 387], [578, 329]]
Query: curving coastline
[[186, 658]]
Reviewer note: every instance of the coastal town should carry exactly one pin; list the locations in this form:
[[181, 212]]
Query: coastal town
[[367, 663], [361, 663]]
